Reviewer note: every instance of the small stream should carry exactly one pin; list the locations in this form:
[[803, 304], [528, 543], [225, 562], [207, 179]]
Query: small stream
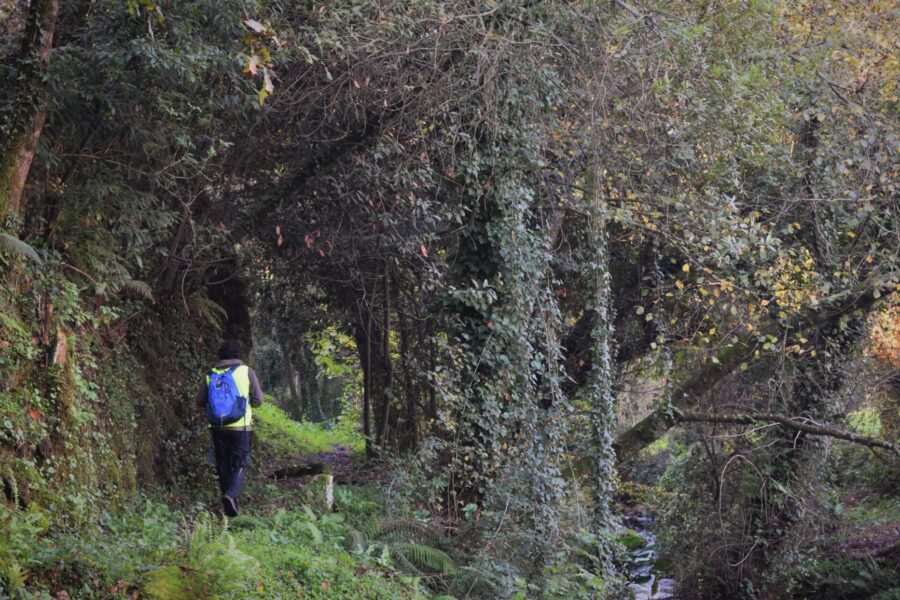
[[646, 582]]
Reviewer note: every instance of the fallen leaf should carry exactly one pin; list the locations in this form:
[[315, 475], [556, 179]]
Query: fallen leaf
[[252, 66], [255, 25]]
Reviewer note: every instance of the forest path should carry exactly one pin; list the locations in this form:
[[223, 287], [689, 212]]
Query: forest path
[[347, 468]]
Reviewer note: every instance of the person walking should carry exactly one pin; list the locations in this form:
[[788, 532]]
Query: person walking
[[228, 392]]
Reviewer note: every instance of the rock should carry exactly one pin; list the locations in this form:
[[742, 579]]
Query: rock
[[318, 493]]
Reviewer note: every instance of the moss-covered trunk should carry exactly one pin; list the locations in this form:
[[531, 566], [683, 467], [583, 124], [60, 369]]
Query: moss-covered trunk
[[23, 121]]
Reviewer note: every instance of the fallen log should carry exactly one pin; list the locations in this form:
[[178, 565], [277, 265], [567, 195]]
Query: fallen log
[[298, 471]]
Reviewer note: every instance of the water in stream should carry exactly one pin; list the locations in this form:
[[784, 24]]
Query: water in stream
[[647, 583]]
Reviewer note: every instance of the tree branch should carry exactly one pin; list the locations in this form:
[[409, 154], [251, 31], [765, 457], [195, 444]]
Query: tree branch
[[696, 386], [800, 424]]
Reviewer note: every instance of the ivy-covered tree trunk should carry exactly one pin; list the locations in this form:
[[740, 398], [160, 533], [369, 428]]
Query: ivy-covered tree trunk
[[23, 120], [600, 396]]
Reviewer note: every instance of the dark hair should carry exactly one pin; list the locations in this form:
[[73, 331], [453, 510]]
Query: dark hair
[[231, 348]]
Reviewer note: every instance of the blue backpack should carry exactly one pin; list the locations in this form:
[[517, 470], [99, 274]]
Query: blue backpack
[[224, 403]]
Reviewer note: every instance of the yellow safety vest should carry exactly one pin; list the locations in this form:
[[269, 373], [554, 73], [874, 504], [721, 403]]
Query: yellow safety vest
[[241, 376]]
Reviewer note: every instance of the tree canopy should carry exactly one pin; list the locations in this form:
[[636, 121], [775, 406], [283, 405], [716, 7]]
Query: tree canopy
[[544, 234]]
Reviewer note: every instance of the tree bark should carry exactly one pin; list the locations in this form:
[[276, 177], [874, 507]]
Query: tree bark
[[28, 113], [367, 383], [411, 433], [387, 369], [296, 400]]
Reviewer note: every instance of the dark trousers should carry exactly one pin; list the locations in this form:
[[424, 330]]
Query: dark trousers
[[232, 451]]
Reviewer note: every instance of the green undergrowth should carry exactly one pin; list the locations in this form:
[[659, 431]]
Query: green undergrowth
[[285, 437], [167, 554]]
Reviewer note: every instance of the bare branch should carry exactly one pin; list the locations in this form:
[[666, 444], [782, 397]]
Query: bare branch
[[799, 423], [696, 386]]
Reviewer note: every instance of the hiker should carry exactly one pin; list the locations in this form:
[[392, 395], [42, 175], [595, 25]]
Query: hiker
[[226, 396]]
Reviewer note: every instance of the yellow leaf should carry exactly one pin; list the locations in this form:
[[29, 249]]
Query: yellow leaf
[[686, 268]]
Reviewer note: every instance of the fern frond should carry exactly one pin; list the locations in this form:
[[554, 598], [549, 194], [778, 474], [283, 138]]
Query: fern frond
[[13, 245], [466, 583], [212, 553], [357, 540], [139, 287], [425, 558], [409, 530], [401, 562], [210, 311], [315, 532]]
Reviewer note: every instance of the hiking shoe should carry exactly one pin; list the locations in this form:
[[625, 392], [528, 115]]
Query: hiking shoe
[[230, 506]]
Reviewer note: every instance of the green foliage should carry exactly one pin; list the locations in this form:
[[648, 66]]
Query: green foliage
[[114, 551], [631, 540], [214, 566], [302, 554], [12, 245], [425, 559], [166, 554], [287, 438], [20, 544], [203, 308], [866, 421], [847, 578]]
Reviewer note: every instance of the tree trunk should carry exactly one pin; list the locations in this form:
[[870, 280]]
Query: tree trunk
[[600, 395], [365, 350], [296, 400], [386, 393], [411, 433], [28, 113]]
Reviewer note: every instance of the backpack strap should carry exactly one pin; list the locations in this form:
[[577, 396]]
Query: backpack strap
[[230, 369]]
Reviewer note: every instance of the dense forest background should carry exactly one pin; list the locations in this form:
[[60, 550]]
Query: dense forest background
[[532, 279]]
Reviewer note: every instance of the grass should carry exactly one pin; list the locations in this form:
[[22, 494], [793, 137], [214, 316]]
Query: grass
[[286, 437], [167, 554], [874, 512]]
